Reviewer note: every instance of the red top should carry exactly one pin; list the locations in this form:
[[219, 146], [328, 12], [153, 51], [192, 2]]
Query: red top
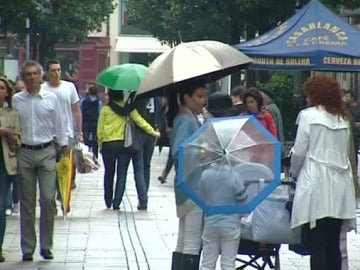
[[265, 118], [267, 121]]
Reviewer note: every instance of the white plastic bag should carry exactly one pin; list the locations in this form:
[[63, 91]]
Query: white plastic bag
[[271, 223], [84, 160]]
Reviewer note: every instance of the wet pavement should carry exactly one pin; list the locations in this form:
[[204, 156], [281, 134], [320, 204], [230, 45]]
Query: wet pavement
[[92, 237]]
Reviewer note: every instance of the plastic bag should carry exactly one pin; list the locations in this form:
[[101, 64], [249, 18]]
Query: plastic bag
[[84, 160], [270, 223]]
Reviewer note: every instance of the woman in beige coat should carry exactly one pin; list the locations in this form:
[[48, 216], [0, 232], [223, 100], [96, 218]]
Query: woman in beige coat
[[10, 140]]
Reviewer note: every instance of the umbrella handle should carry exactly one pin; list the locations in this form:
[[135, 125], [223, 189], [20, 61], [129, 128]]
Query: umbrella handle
[[256, 181], [264, 181]]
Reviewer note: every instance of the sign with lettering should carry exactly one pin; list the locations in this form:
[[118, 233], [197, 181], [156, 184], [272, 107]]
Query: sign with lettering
[[313, 39]]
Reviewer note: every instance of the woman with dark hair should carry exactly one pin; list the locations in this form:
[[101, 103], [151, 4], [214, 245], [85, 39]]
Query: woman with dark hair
[[321, 163], [254, 105], [10, 140], [111, 135], [183, 118]]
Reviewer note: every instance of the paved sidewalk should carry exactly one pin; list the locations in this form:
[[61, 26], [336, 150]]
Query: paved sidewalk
[[95, 238]]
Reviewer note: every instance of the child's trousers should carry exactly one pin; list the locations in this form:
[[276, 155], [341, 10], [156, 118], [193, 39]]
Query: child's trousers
[[223, 242]]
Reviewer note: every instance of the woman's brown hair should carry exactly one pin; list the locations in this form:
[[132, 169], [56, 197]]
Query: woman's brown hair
[[255, 94], [325, 91], [10, 90]]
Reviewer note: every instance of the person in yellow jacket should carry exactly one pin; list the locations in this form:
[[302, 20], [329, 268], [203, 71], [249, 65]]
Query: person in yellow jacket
[[111, 135]]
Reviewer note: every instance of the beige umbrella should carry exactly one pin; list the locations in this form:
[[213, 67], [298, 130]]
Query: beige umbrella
[[205, 60]]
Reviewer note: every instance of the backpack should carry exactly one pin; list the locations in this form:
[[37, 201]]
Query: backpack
[[90, 110]]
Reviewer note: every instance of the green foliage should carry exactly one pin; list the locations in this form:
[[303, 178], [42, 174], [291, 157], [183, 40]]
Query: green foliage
[[226, 21], [54, 21], [282, 82], [185, 20]]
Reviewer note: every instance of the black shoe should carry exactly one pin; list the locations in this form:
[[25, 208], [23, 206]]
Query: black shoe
[[142, 207], [116, 207], [108, 203], [27, 257], [46, 254], [162, 179], [2, 258]]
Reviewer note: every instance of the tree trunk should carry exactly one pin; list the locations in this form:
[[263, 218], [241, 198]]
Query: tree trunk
[[33, 40], [46, 49]]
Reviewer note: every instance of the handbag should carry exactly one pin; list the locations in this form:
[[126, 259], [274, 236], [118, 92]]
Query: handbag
[[131, 139], [304, 247]]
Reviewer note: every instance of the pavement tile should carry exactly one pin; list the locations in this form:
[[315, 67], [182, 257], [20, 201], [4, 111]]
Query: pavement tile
[[91, 237]]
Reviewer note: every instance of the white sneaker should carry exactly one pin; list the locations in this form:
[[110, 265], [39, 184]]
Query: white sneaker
[[16, 208], [8, 212]]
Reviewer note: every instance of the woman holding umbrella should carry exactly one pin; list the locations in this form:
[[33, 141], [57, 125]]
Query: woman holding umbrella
[[111, 132], [183, 117], [111, 135]]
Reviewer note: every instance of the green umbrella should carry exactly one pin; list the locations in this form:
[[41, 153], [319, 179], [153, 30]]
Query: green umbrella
[[122, 77]]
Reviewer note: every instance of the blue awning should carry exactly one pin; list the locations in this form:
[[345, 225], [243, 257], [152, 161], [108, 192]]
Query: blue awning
[[313, 39]]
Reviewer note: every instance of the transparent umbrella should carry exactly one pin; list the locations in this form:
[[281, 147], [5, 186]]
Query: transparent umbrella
[[233, 157]]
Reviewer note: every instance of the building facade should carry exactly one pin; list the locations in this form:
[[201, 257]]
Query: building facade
[[128, 43]]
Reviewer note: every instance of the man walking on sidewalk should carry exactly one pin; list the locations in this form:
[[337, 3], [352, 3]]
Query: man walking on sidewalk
[[69, 103], [40, 120]]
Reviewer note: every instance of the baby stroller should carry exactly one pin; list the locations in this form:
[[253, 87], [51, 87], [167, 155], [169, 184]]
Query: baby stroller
[[269, 221], [260, 255]]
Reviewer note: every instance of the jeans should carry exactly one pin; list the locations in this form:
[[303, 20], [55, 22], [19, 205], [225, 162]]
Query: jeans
[[169, 164], [216, 241], [147, 145], [190, 230], [116, 156], [90, 139], [325, 244], [4, 189], [13, 196]]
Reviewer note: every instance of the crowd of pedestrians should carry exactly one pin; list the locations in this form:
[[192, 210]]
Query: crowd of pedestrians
[[329, 208], [40, 120]]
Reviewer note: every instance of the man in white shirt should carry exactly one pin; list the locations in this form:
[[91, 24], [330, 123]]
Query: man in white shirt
[[69, 101], [41, 120]]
